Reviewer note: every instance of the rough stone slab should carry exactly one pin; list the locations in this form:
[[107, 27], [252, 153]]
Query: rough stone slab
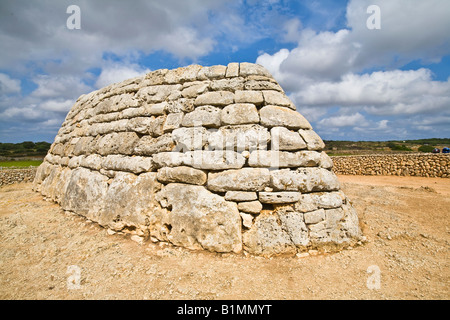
[[240, 196], [207, 116], [232, 70], [319, 200], [245, 179], [253, 207], [279, 197], [213, 72], [131, 164], [200, 219], [196, 89], [276, 116], [325, 161], [181, 174], [261, 85], [230, 84], [247, 69], [304, 180], [312, 139], [170, 159], [117, 143], [239, 137], [215, 98], [273, 97], [173, 121], [180, 105], [286, 140], [215, 160], [148, 145], [283, 159], [247, 219], [314, 216], [249, 96], [187, 139], [239, 113]]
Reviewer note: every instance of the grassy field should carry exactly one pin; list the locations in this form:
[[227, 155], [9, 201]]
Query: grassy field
[[20, 163]]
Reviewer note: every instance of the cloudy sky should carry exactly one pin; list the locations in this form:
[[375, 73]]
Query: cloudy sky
[[351, 82]]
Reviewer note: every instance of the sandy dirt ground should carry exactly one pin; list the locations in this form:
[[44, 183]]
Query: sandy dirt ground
[[48, 254]]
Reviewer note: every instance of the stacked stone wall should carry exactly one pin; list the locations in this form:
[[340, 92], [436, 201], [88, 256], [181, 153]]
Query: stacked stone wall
[[417, 164]]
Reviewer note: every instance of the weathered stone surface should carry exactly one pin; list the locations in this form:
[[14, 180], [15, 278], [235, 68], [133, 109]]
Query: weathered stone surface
[[200, 219], [241, 196], [213, 72], [247, 219], [247, 69], [181, 174], [173, 121], [240, 138], [245, 179], [249, 96], [283, 159], [273, 97], [215, 160], [304, 180], [239, 113], [276, 116], [232, 70], [215, 98], [170, 159], [207, 116], [187, 139], [325, 161], [312, 139], [319, 200], [148, 145], [195, 89], [285, 139], [279, 197], [314, 216], [123, 163], [254, 207]]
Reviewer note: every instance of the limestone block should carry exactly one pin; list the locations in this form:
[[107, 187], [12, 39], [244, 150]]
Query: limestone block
[[283, 159], [253, 207], [240, 196], [92, 161], [212, 72], [148, 145], [275, 116], [135, 164], [312, 139], [230, 84], [85, 193], [239, 113], [200, 219], [180, 105], [195, 89], [285, 139], [249, 96], [247, 219], [319, 200], [314, 216], [214, 160], [207, 116], [239, 137], [137, 192], [279, 197], [325, 161], [117, 143], [232, 70], [245, 179], [261, 85], [173, 121], [247, 69], [190, 138], [304, 180], [273, 97], [215, 98], [267, 237], [181, 174], [170, 159]]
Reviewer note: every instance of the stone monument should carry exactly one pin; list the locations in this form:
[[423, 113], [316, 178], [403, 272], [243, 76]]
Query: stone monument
[[214, 158]]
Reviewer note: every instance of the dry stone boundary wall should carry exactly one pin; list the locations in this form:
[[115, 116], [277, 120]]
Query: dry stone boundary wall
[[214, 158], [418, 164]]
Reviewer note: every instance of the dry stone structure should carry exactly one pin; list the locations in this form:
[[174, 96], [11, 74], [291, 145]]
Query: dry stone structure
[[213, 158]]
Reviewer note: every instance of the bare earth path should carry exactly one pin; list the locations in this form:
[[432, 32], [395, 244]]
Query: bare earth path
[[405, 220]]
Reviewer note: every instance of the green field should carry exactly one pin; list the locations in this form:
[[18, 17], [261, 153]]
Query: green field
[[20, 163]]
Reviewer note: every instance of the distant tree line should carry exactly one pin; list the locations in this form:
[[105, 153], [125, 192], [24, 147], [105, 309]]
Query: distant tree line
[[26, 148]]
